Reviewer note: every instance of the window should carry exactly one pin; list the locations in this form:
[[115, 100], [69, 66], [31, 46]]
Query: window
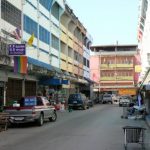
[[88, 63], [30, 26], [39, 101], [84, 61], [44, 35], [55, 42], [75, 55], [46, 3], [10, 13], [55, 11]]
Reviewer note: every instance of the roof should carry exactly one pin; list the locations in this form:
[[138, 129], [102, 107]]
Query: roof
[[108, 47]]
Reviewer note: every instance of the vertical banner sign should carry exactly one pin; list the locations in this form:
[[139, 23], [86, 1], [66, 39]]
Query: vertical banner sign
[[20, 64]]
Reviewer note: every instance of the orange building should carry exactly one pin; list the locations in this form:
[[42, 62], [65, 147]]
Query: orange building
[[113, 69]]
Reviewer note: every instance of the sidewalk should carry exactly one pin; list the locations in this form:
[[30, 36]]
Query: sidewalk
[[147, 140]]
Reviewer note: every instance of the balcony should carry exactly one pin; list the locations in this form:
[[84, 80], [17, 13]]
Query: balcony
[[64, 29], [70, 43], [70, 35], [70, 68], [112, 66], [64, 37], [124, 65], [117, 78], [70, 60], [63, 65], [75, 70], [75, 46], [63, 56]]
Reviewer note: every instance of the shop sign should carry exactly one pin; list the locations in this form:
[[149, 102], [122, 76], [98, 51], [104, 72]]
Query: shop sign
[[138, 68], [16, 49], [127, 91]]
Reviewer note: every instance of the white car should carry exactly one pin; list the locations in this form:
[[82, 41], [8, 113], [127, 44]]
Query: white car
[[107, 98], [124, 101]]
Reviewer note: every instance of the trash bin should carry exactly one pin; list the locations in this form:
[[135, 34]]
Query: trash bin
[[134, 134]]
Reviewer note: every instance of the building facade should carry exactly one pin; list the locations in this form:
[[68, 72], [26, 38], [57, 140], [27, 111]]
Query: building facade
[[113, 69], [144, 35], [55, 58], [144, 46]]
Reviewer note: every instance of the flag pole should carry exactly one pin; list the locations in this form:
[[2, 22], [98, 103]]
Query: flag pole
[[22, 25], [22, 20]]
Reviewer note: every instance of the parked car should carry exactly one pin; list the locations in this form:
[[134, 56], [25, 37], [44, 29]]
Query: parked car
[[107, 98], [31, 109], [125, 100], [77, 100]]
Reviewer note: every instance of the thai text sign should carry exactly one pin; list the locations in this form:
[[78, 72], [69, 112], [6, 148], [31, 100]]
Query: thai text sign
[[16, 49]]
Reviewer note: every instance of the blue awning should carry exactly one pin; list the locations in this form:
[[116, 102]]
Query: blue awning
[[53, 81], [65, 81], [39, 63]]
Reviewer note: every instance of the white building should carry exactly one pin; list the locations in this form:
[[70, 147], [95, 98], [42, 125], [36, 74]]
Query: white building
[[144, 36]]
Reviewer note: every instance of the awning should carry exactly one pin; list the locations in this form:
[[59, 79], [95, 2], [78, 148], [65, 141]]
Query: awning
[[57, 70], [39, 63], [53, 81], [89, 80], [66, 73]]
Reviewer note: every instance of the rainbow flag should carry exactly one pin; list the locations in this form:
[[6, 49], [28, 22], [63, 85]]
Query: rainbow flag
[[20, 64]]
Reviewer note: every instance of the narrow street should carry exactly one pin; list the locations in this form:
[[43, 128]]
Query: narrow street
[[98, 128]]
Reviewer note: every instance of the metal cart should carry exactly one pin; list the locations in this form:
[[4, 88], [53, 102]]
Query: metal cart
[[134, 134]]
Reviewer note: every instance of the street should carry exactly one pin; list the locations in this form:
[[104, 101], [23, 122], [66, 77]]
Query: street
[[98, 128]]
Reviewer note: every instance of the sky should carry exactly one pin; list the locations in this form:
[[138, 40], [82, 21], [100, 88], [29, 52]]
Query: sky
[[108, 21]]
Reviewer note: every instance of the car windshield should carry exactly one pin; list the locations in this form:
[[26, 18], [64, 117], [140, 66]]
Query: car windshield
[[74, 96], [107, 95]]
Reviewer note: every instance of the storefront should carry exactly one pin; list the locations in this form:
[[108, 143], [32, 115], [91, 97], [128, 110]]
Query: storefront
[[3, 80]]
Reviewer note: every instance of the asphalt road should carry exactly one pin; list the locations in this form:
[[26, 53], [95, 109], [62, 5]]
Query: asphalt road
[[98, 128]]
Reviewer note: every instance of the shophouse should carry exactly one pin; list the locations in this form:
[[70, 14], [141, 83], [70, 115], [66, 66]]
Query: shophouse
[[113, 69], [55, 58]]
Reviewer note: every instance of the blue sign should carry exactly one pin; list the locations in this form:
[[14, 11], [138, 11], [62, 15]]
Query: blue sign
[[16, 49], [30, 101]]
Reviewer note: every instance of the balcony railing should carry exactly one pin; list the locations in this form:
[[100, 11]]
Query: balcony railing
[[117, 78], [111, 66]]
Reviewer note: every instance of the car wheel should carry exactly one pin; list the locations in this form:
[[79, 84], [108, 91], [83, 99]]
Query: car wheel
[[53, 118], [40, 121], [84, 107]]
